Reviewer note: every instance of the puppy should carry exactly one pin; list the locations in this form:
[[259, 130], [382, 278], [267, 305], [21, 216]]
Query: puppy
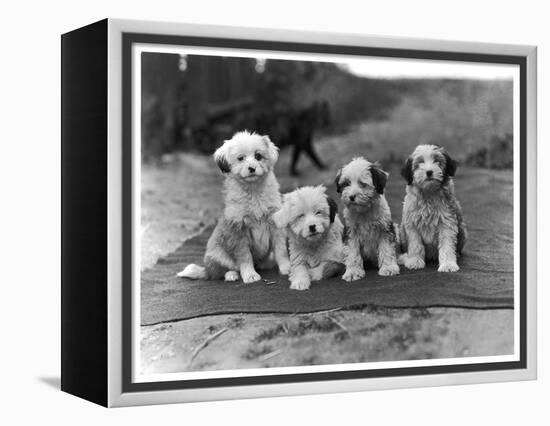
[[432, 226], [315, 235], [245, 236], [370, 231]]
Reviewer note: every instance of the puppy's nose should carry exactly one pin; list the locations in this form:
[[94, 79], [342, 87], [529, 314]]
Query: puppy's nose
[[251, 169], [352, 197], [429, 173], [311, 228]]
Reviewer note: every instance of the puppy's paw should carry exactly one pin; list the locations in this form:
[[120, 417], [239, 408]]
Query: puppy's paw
[[353, 274], [448, 267], [284, 268], [300, 284], [412, 262], [316, 274], [251, 277], [388, 270], [231, 276]]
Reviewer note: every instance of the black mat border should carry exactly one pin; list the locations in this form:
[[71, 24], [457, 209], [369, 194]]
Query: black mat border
[[128, 39]]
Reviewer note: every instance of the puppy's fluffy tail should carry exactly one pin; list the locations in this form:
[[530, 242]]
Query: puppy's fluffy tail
[[194, 272]]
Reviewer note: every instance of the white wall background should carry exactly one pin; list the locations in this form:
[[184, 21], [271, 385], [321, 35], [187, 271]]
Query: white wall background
[[30, 200]]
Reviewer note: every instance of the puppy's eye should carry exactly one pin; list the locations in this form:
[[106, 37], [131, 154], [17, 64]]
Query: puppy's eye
[[362, 184], [319, 212], [300, 216], [258, 156], [240, 157]]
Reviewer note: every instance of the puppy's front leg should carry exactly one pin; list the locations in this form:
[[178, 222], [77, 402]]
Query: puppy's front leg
[[354, 261], [299, 277], [387, 261], [415, 256], [246, 264], [316, 274], [280, 250], [447, 250]]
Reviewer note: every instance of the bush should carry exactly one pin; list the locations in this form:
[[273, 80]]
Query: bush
[[466, 117]]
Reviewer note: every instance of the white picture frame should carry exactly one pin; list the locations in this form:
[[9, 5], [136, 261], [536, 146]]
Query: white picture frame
[[109, 382]]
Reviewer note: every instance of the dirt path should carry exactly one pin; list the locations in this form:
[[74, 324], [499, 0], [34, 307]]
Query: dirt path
[[178, 200], [182, 196], [346, 336]]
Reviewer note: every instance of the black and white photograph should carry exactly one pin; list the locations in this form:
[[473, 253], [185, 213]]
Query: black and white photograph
[[308, 212]]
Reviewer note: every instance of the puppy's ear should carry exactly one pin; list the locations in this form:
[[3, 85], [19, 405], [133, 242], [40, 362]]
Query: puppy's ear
[[407, 172], [281, 218], [272, 149], [450, 164], [379, 178], [337, 181], [220, 157], [333, 209]]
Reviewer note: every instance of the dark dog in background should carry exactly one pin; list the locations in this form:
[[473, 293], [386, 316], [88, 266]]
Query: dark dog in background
[[297, 128]]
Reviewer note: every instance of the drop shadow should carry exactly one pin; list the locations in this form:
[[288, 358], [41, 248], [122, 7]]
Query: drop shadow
[[54, 382]]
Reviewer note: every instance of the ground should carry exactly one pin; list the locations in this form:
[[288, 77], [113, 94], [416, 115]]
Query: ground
[[342, 336], [181, 196]]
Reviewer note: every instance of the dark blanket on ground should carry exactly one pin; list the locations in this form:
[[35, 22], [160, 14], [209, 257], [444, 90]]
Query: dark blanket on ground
[[485, 279]]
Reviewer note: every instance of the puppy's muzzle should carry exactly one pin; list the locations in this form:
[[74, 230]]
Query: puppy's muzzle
[[251, 172], [356, 200], [430, 179], [313, 232]]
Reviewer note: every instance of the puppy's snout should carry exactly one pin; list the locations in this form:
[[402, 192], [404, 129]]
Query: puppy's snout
[[251, 169], [429, 173], [312, 228], [352, 197]]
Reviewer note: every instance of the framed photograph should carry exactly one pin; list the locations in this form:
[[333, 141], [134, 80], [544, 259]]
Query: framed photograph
[[252, 213]]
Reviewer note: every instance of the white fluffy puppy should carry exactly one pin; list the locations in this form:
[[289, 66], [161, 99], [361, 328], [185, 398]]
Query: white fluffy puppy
[[245, 236], [315, 235], [432, 226], [370, 231]]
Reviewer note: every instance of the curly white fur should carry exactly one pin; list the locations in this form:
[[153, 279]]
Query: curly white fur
[[370, 231], [315, 235], [432, 227], [245, 237]]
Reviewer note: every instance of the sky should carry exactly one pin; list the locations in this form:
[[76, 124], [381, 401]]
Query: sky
[[399, 68]]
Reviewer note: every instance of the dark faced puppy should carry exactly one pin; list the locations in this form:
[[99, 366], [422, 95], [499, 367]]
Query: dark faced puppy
[[360, 183], [370, 229], [433, 227], [428, 167]]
